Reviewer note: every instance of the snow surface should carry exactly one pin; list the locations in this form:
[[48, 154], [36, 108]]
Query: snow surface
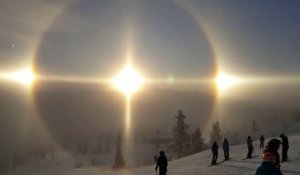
[[196, 164]]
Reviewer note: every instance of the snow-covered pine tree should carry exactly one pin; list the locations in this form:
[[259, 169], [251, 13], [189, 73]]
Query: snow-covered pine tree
[[99, 148], [119, 160], [197, 141], [255, 130], [181, 136], [216, 135]]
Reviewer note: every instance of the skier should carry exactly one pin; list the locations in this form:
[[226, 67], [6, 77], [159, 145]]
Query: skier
[[285, 147], [226, 149], [262, 142], [214, 150], [270, 164], [250, 147], [162, 163]]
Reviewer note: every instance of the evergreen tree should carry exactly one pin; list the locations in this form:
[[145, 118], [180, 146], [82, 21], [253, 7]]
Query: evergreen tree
[[255, 130], [157, 139], [181, 136], [215, 135], [85, 148], [234, 137], [119, 160], [197, 141], [99, 148], [107, 143]]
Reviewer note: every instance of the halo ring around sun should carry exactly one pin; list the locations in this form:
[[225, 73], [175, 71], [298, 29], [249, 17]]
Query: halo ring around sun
[[49, 98]]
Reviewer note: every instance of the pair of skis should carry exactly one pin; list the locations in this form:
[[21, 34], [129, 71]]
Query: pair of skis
[[250, 157], [221, 162]]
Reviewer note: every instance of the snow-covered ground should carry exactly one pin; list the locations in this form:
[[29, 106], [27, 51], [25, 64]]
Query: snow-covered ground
[[196, 164]]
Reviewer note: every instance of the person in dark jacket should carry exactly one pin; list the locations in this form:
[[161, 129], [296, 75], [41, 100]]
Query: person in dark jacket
[[285, 147], [262, 142], [226, 149], [271, 159], [250, 147], [162, 163], [214, 150]]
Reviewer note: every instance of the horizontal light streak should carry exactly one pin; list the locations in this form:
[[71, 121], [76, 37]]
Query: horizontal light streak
[[179, 81], [87, 80], [26, 77]]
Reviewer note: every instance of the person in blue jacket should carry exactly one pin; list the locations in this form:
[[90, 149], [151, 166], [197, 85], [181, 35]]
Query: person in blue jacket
[[214, 150], [226, 149]]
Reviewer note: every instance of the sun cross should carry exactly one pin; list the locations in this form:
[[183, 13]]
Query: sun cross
[[224, 81], [23, 76], [128, 80]]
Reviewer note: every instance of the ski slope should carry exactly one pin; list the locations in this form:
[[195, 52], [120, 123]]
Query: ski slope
[[196, 164]]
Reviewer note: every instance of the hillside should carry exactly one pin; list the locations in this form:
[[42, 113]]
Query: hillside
[[191, 165]]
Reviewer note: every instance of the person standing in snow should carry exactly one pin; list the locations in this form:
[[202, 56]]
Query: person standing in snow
[[226, 149], [250, 147], [214, 150], [162, 163], [271, 159], [285, 147], [262, 142]]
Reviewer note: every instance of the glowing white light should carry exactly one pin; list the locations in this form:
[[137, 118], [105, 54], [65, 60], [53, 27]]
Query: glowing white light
[[128, 80], [225, 81], [170, 79], [25, 76]]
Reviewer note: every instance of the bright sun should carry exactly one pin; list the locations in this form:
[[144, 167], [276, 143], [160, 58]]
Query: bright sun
[[224, 81], [128, 80], [24, 76]]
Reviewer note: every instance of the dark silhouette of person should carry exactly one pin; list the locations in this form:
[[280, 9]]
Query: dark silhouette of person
[[262, 142], [226, 149], [162, 163], [285, 147], [214, 150], [250, 147], [271, 159]]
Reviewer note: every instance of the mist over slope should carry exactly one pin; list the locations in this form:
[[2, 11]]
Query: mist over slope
[[66, 114], [191, 165], [71, 112]]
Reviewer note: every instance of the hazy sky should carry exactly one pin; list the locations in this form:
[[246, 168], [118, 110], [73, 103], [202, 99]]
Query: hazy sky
[[255, 37], [91, 37], [182, 39]]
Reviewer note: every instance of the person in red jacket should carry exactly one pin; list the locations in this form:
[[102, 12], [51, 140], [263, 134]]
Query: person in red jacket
[[271, 159]]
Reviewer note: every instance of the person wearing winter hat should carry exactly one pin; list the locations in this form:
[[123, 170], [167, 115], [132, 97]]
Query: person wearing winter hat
[[271, 159], [162, 163], [285, 147]]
